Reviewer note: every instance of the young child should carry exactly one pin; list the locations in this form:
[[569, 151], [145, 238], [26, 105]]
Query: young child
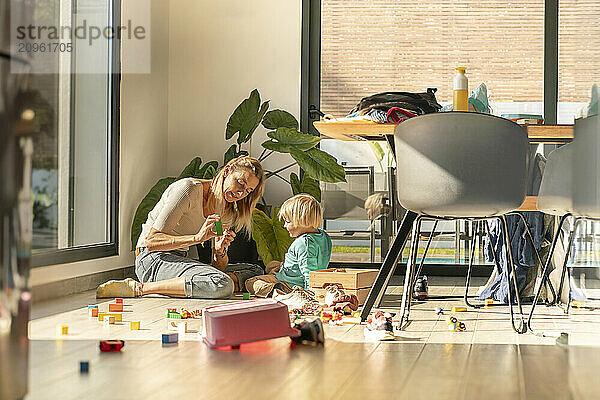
[[311, 251]]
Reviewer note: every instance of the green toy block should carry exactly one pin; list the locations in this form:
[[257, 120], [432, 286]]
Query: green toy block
[[246, 295], [219, 227], [173, 314]]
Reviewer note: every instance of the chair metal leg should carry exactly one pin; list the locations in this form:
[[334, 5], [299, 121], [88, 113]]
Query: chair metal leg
[[537, 254], [427, 248], [389, 265], [408, 276], [546, 269], [522, 328], [564, 266], [488, 234], [470, 269]]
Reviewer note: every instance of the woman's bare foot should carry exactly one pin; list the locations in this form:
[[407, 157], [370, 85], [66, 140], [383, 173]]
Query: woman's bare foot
[[124, 288]]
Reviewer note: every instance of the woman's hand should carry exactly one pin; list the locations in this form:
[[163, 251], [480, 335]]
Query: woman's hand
[[207, 231], [222, 242]]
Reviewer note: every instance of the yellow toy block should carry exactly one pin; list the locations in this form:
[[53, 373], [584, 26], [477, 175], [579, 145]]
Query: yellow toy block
[[118, 317], [489, 302], [109, 320], [62, 330], [134, 325], [577, 304], [459, 309]]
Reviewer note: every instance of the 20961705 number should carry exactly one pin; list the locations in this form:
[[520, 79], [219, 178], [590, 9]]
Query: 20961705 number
[[45, 47]]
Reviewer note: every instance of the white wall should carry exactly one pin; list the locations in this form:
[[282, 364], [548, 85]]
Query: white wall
[[143, 143], [219, 52], [206, 58]]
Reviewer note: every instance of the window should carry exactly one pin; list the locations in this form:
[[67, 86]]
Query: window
[[578, 55], [74, 92]]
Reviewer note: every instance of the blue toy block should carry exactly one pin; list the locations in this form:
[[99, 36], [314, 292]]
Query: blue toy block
[[168, 338], [84, 367], [92, 306]]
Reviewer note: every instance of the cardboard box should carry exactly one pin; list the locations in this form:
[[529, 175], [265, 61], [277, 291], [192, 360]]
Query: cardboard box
[[346, 278], [352, 280]]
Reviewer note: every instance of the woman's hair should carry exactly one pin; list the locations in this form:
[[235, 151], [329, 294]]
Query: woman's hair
[[376, 204], [302, 210], [237, 214]]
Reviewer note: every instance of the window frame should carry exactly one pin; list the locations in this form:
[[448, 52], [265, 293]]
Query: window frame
[[310, 83], [111, 248]]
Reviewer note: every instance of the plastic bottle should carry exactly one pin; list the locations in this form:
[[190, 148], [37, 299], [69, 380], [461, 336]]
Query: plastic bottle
[[461, 90]]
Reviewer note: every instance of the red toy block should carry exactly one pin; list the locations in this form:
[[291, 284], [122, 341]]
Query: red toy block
[[118, 301], [111, 345], [115, 308]]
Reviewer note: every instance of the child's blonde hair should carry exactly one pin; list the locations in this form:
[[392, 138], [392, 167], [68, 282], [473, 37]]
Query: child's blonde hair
[[302, 210]]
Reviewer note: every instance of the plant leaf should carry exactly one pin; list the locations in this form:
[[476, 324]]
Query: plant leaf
[[279, 119], [263, 109], [230, 154], [292, 137], [319, 165], [308, 186], [208, 170], [147, 204], [244, 117], [191, 169], [276, 146], [272, 239]]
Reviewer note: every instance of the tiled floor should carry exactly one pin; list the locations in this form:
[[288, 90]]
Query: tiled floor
[[489, 360]]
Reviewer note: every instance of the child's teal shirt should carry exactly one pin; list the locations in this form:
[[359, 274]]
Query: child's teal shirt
[[309, 252]]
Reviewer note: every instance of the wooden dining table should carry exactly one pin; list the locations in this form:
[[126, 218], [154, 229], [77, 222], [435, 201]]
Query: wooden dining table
[[362, 130]]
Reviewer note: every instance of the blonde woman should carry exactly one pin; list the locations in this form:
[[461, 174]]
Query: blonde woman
[[185, 216]]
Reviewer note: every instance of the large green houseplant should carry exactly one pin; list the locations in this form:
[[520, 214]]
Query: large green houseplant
[[271, 238]]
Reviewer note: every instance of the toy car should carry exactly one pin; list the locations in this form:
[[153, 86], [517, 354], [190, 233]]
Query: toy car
[[111, 345]]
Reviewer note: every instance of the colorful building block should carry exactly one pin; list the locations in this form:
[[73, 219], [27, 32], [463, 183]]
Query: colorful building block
[[134, 325], [62, 330], [168, 338], [111, 345], [577, 304], [489, 302], [115, 307], [439, 311], [93, 312], [93, 306], [219, 227], [109, 320], [84, 367], [178, 326], [118, 316], [118, 301], [173, 314], [459, 309], [246, 296]]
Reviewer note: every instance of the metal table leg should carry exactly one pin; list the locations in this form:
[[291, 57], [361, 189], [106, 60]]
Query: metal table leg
[[388, 266]]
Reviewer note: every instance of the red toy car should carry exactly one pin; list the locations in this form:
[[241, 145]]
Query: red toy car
[[111, 345]]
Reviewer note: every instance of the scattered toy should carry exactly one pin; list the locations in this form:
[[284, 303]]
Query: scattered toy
[[489, 302], [93, 306], [578, 304], [118, 316], [134, 325], [168, 338], [115, 307], [454, 325], [563, 339], [379, 327], [459, 309], [173, 314], [109, 320], [111, 345], [180, 327], [93, 312], [62, 330], [119, 301], [246, 296], [84, 367], [439, 311], [310, 332]]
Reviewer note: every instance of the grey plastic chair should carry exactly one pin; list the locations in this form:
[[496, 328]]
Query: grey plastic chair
[[571, 188], [460, 165]]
